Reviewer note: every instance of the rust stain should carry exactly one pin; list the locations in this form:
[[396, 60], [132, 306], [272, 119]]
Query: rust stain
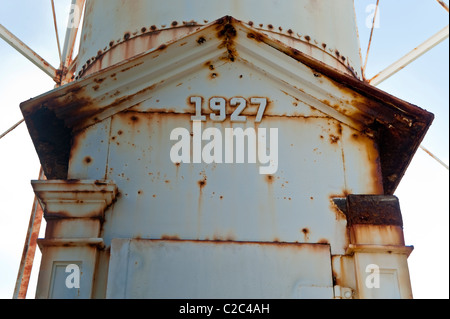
[[131, 67], [87, 160], [29, 250], [365, 233], [95, 214], [201, 183], [170, 237], [339, 270], [256, 36], [339, 128], [227, 238], [162, 47], [201, 40], [305, 232], [228, 33], [334, 139], [209, 65], [373, 210], [339, 214], [134, 119], [269, 179]]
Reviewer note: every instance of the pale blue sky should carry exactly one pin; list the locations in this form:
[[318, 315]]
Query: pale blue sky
[[423, 192]]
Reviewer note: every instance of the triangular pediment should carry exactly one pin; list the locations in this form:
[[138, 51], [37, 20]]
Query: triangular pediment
[[229, 58]]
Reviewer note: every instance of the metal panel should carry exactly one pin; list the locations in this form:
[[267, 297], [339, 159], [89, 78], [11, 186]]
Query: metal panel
[[116, 30], [220, 201], [391, 280], [358, 150], [58, 288], [52, 282], [89, 152], [196, 269]]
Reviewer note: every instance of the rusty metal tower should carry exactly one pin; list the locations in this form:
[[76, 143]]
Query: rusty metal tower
[[200, 140]]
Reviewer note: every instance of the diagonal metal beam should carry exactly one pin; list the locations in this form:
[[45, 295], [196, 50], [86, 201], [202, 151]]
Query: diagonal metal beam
[[443, 4], [11, 128], [71, 32], [29, 249], [410, 57], [434, 156], [23, 49], [56, 30], [371, 34]]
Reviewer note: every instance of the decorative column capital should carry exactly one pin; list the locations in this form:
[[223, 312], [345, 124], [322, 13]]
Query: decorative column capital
[[74, 198]]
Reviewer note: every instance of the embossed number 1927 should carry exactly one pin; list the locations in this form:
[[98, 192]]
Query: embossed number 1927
[[218, 104]]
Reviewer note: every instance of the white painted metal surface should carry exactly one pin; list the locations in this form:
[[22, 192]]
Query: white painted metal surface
[[184, 269], [115, 30]]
